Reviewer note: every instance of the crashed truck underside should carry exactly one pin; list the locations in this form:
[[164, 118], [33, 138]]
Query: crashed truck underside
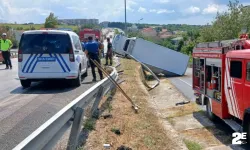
[[158, 58]]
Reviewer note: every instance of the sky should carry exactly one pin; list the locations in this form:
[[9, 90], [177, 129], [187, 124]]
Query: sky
[[196, 12]]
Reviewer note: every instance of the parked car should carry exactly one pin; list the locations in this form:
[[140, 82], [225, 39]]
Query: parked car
[[51, 54]]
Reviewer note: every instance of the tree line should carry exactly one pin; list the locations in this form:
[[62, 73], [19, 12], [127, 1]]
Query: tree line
[[227, 25]]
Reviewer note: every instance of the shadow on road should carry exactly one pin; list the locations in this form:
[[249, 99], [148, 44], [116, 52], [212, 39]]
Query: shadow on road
[[219, 129], [45, 87]]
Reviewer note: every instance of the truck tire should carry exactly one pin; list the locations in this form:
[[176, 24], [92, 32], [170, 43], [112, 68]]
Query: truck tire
[[198, 100], [210, 114], [25, 83], [78, 81], [247, 130]]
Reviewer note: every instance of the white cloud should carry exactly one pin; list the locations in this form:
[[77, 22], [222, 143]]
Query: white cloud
[[161, 11], [12, 13], [142, 10], [77, 9], [193, 10], [162, 1], [152, 10], [211, 9]]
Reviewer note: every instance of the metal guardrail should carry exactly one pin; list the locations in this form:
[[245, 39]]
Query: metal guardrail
[[46, 133]]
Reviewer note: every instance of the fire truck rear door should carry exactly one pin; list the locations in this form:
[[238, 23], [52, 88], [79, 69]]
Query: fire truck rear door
[[246, 88], [234, 85]]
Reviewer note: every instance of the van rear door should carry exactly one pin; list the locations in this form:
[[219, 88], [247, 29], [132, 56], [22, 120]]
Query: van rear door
[[45, 52]]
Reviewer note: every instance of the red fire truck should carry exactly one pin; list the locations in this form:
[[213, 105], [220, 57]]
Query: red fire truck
[[85, 33], [221, 81]]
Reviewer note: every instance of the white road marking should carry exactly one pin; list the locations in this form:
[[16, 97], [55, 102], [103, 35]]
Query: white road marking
[[185, 82]]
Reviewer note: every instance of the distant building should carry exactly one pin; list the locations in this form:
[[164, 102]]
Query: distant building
[[133, 28], [149, 32], [105, 24], [165, 34], [78, 21]]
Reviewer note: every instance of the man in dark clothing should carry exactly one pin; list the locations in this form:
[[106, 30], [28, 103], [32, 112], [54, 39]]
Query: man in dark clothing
[[93, 53], [109, 52]]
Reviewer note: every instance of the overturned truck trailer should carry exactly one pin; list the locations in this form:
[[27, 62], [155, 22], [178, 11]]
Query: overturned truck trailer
[[158, 58]]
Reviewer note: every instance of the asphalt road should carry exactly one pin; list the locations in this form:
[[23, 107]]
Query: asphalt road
[[23, 111], [184, 84]]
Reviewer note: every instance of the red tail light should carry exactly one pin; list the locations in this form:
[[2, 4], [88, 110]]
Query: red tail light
[[71, 56], [20, 56]]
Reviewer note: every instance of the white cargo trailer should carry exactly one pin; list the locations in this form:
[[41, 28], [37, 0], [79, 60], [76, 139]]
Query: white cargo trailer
[[118, 44], [158, 58]]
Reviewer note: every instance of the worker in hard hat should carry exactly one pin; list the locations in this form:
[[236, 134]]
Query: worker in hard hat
[[5, 46]]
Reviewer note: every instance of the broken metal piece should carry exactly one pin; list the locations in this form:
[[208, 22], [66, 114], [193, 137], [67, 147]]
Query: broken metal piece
[[182, 103]]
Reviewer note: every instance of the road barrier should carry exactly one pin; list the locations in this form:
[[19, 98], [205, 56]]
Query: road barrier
[[47, 134]]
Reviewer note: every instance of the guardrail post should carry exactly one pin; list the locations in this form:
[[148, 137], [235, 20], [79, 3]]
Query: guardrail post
[[75, 130], [96, 102]]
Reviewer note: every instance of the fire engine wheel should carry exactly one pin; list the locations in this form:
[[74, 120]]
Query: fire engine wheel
[[210, 114], [248, 132]]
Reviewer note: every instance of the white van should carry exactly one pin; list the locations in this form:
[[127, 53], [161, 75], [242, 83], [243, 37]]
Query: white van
[[51, 54]]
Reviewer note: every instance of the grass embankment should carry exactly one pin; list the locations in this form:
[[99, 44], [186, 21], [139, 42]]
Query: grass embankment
[[138, 131]]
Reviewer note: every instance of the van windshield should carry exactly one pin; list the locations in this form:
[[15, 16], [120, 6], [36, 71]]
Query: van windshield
[[45, 43]]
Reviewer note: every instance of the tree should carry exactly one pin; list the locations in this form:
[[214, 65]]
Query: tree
[[180, 45], [227, 25], [51, 21], [188, 49]]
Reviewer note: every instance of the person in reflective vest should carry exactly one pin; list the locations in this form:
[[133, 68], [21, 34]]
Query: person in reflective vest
[[5, 46]]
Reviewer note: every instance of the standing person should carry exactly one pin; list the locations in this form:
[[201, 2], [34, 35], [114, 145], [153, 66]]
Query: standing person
[[99, 46], [93, 53], [5, 46], [102, 48], [109, 52]]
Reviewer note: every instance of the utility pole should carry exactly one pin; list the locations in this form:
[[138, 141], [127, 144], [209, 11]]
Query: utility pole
[[125, 18]]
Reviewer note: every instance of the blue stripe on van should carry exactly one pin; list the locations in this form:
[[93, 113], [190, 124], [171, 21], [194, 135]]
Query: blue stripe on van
[[64, 62], [60, 63], [35, 64], [31, 63], [27, 62]]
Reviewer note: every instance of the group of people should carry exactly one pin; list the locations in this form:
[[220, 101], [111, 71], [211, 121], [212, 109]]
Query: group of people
[[95, 51], [5, 46]]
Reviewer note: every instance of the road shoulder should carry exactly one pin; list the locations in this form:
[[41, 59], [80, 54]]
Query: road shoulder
[[142, 130], [187, 119]]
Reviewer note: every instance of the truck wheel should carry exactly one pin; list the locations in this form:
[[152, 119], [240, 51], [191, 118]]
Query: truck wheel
[[247, 130], [210, 114], [198, 100], [25, 83], [78, 81]]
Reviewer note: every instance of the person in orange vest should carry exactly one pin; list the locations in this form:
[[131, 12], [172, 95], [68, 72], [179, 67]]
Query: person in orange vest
[[5, 46]]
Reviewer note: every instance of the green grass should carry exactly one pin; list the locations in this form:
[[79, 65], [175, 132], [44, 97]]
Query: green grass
[[36, 26], [89, 124], [192, 145]]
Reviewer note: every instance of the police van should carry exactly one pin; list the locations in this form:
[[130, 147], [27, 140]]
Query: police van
[[51, 54]]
